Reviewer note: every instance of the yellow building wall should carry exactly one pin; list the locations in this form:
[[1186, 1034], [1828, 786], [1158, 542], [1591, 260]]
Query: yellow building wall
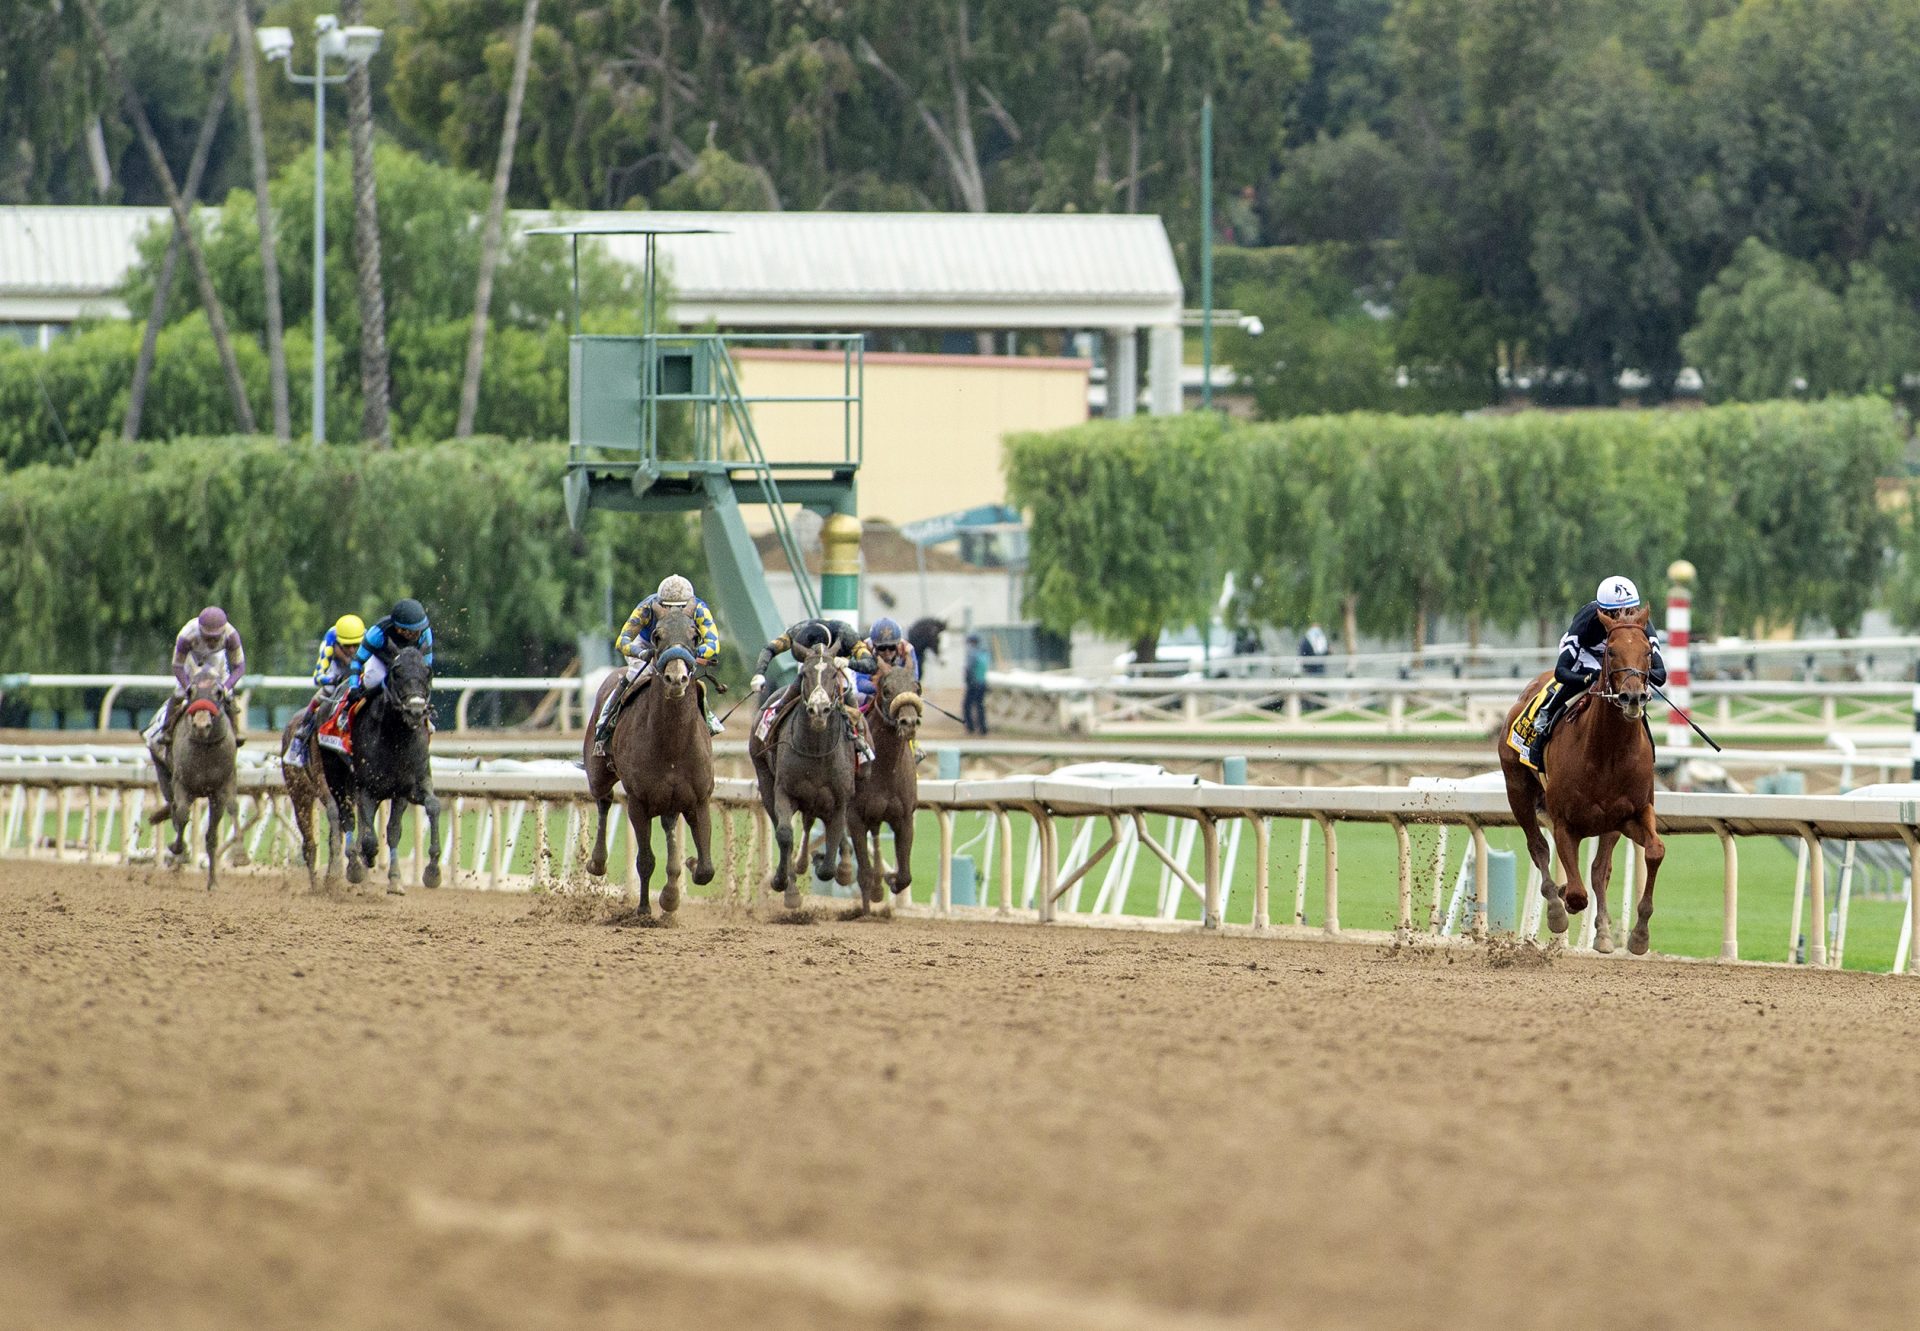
[[934, 424]]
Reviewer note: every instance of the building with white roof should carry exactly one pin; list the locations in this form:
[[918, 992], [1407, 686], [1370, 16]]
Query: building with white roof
[[965, 274]]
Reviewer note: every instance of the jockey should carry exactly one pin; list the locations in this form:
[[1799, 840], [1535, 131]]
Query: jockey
[[205, 640], [885, 642], [332, 670], [802, 637], [406, 627], [635, 643], [1579, 663]]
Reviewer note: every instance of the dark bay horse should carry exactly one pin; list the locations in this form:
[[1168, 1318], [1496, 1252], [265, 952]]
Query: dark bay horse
[[886, 791], [306, 785], [201, 765], [662, 756], [390, 762], [1599, 782], [806, 766]]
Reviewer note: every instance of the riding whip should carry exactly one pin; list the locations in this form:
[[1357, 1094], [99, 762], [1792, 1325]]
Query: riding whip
[[1685, 716]]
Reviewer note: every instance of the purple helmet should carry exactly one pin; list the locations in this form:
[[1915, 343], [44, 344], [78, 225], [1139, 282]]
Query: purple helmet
[[213, 621]]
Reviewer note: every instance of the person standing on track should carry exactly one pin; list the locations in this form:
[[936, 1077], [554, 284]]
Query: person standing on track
[[973, 709]]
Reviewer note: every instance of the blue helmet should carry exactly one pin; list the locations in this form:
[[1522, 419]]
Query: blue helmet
[[408, 614], [886, 633]]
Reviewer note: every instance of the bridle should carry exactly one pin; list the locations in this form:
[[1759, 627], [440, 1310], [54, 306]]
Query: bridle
[[820, 665], [1607, 691]]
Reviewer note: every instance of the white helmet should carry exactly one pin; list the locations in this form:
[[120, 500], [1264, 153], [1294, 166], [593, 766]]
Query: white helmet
[[675, 590], [1617, 594]]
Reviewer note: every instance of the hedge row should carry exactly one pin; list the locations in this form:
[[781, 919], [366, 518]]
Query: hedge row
[[60, 404], [103, 560], [1499, 521]]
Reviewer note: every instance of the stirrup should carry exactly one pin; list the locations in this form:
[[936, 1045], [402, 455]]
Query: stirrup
[[714, 727]]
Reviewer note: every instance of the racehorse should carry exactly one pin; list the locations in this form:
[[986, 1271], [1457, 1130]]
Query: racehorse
[[200, 766], [886, 791], [924, 636], [662, 755], [1598, 783], [805, 766], [307, 786], [390, 735]]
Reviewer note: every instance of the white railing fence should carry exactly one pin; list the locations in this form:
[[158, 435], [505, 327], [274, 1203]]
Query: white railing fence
[[93, 810], [573, 696]]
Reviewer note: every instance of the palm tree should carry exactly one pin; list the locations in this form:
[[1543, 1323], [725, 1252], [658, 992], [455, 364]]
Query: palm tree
[[490, 236], [182, 219], [163, 284], [263, 209], [376, 427]]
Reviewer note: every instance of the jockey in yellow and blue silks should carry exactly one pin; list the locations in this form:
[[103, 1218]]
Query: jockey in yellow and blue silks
[[635, 644], [406, 627], [332, 673]]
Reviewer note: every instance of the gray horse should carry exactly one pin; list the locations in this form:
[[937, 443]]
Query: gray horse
[[199, 765], [804, 764]]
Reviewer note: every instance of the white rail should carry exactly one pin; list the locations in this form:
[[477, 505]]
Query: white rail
[[1431, 708], [485, 814], [1795, 658], [463, 689]]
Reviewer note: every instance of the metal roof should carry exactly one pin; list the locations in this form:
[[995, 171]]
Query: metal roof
[[791, 269], [81, 251]]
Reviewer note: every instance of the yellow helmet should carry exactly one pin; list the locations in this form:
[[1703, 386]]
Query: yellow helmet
[[348, 630]]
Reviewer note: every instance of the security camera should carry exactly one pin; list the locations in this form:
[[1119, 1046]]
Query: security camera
[[1250, 325], [275, 43]]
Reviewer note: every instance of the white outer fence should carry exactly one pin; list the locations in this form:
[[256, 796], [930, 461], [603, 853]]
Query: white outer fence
[[109, 797], [566, 688], [1434, 708]]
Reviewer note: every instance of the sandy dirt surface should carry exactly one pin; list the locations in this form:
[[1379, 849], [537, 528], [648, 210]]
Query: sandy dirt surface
[[263, 1108]]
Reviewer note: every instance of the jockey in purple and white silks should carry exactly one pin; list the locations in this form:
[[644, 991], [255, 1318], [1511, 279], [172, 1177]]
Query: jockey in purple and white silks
[[206, 640]]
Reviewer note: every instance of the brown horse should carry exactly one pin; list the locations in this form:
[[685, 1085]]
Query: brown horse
[[200, 765], [1599, 782], [806, 767], [662, 756], [306, 785], [886, 791]]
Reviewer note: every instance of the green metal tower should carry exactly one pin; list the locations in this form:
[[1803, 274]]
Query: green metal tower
[[658, 423]]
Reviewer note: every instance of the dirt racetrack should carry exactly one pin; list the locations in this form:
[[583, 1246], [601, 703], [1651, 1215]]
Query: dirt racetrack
[[264, 1108]]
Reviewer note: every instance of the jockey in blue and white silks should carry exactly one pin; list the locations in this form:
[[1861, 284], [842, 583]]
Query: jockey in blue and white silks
[[406, 627], [1578, 664]]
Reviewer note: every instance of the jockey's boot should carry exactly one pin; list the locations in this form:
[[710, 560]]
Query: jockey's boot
[[233, 719], [297, 751], [603, 733], [706, 709], [858, 724]]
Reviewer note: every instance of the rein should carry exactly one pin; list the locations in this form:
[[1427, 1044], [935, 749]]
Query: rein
[[1604, 689]]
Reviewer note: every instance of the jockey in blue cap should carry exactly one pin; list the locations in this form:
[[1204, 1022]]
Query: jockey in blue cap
[[406, 627]]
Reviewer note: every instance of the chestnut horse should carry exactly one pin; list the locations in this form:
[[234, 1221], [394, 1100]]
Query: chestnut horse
[[1598, 783]]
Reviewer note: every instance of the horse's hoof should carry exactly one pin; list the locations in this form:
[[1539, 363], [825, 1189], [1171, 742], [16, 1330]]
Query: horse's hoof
[[843, 874], [597, 868], [396, 889], [431, 878], [792, 898], [702, 873], [1603, 942], [355, 873], [1576, 901], [1637, 942], [1556, 918], [239, 859]]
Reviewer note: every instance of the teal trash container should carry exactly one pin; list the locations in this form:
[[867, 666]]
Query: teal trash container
[[1503, 892], [966, 881], [949, 764]]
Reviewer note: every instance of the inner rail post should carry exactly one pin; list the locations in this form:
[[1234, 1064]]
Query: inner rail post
[[1913, 896], [1262, 836], [1817, 874], [1331, 842], [1730, 892], [1479, 880], [943, 880], [1405, 847]]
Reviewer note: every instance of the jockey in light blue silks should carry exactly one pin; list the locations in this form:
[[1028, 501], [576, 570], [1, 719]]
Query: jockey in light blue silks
[[635, 644], [407, 626]]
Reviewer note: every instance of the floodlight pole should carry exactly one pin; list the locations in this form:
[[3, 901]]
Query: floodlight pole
[[1206, 252]]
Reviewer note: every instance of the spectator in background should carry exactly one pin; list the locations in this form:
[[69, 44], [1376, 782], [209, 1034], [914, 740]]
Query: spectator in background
[[1313, 643], [1239, 219], [973, 710]]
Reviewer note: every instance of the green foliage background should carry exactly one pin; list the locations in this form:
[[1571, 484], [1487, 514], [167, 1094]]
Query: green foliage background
[[287, 537], [1497, 519]]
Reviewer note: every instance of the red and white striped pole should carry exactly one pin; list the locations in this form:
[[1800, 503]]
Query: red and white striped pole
[[1680, 575]]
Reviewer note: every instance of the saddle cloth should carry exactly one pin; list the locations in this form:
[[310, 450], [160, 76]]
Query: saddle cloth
[[1526, 726], [336, 732]]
